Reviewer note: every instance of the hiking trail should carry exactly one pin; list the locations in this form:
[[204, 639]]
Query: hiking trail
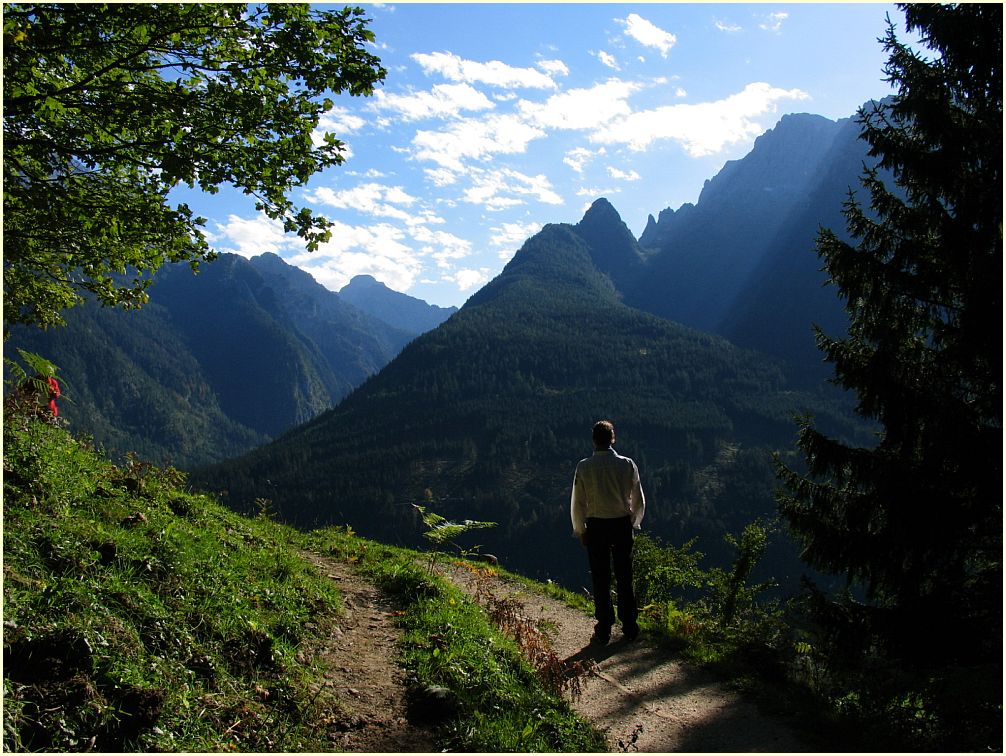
[[639, 695]]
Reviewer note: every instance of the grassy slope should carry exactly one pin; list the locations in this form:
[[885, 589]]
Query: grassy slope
[[138, 616]]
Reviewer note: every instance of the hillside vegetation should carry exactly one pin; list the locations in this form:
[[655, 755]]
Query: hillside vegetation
[[141, 617]]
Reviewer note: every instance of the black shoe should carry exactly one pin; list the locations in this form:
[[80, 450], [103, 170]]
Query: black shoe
[[600, 637], [630, 633]]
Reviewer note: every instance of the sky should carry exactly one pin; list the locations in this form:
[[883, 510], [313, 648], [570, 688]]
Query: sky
[[495, 120]]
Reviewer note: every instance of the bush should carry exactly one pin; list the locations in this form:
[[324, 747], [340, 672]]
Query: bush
[[711, 614]]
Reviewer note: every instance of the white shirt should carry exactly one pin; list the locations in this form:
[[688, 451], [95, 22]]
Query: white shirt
[[606, 485]]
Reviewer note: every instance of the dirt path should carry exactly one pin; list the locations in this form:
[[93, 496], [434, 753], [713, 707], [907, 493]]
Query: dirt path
[[639, 695], [646, 700], [361, 653]]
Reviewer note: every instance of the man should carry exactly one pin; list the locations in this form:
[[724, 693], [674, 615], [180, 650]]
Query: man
[[606, 504]]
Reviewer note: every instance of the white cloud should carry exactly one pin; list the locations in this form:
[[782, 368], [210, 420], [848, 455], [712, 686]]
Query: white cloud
[[647, 34], [391, 253], [510, 236], [364, 197], [374, 199], [441, 177], [378, 250], [553, 67], [723, 26], [505, 187], [369, 173], [468, 278], [680, 92], [474, 139], [442, 101], [577, 158], [608, 59], [581, 108], [255, 236], [443, 247], [773, 21], [618, 173], [702, 129], [594, 193], [494, 72]]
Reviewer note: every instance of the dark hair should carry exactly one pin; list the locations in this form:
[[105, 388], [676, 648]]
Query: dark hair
[[603, 433]]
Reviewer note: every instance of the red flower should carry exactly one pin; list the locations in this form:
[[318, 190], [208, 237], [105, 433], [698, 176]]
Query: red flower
[[54, 394]]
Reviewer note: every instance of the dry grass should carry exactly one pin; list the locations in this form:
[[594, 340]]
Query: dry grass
[[509, 615]]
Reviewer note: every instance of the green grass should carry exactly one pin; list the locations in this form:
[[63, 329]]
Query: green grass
[[501, 703], [139, 616]]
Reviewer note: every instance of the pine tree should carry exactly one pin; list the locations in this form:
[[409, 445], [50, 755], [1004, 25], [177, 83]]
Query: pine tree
[[917, 519]]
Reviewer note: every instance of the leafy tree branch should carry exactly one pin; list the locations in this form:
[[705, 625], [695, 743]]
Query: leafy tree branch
[[109, 107]]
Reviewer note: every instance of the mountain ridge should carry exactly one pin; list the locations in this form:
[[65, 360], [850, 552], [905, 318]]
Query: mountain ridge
[[215, 363], [755, 222], [485, 417], [399, 310]]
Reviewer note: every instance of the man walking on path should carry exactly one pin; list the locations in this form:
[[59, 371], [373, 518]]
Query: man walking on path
[[606, 504]]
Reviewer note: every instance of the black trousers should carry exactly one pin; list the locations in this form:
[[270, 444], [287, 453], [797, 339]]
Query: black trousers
[[609, 542]]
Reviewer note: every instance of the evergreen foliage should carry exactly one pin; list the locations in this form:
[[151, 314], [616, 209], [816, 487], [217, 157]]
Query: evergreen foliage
[[917, 518], [107, 107]]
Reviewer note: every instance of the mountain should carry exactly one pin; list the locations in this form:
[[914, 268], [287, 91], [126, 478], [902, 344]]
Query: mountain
[[368, 294], [130, 381], [216, 363], [486, 416], [741, 262], [786, 291], [613, 249]]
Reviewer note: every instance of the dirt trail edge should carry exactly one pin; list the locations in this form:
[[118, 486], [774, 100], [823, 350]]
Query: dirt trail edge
[[643, 698]]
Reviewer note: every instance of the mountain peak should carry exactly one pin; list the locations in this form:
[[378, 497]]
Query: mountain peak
[[601, 208], [613, 248], [395, 308], [363, 280]]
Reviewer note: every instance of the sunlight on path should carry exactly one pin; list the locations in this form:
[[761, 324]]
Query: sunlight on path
[[646, 700]]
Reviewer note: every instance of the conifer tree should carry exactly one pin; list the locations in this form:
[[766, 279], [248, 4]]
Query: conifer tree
[[917, 519]]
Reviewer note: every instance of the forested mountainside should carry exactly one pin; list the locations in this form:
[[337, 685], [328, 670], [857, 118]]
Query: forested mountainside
[[486, 416], [741, 262], [216, 363]]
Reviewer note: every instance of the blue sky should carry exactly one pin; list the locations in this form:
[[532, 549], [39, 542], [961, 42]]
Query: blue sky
[[497, 119]]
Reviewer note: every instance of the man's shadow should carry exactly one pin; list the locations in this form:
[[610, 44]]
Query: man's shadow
[[590, 655]]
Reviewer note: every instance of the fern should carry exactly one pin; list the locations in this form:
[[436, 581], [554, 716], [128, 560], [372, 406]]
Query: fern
[[440, 530]]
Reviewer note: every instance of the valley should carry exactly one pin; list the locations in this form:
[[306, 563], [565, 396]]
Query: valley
[[270, 388]]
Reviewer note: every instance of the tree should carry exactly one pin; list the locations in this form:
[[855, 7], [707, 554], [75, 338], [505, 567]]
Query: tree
[[109, 107], [917, 519]]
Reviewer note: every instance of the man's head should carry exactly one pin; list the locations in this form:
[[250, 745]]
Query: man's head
[[603, 434]]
